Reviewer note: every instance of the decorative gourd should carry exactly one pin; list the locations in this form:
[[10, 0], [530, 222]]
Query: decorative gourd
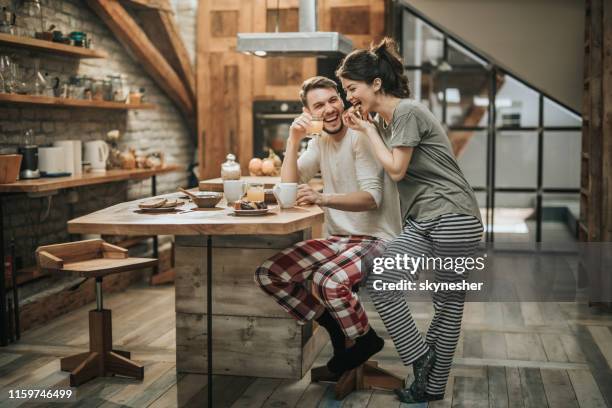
[[255, 166]]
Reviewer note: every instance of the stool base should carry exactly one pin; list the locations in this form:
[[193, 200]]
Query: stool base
[[101, 360], [365, 377]]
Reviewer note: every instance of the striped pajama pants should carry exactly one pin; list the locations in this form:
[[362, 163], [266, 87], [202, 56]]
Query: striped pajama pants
[[449, 235]]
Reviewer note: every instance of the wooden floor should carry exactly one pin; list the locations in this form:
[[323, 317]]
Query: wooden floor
[[510, 355]]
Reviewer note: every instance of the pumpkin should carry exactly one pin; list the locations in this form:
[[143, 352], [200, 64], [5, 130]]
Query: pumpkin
[[255, 166], [268, 167]]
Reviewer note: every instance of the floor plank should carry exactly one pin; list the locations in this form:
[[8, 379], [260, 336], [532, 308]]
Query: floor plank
[[498, 387], [587, 392], [532, 388], [558, 388], [603, 339]]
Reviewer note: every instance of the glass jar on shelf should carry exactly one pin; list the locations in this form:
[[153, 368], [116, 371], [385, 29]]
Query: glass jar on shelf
[[33, 8], [230, 169]]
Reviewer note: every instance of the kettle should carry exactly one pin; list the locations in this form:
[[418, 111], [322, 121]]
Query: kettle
[[96, 153]]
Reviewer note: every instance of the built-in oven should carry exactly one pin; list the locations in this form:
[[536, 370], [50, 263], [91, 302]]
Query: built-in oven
[[271, 122]]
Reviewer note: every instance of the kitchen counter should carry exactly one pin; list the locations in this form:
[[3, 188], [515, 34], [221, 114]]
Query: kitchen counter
[[253, 335], [86, 179]]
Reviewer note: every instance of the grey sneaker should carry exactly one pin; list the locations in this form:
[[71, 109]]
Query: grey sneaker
[[421, 369]]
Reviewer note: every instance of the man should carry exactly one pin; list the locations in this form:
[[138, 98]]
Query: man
[[362, 212]]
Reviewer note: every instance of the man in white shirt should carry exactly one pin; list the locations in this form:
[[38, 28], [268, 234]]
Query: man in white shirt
[[362, 212]]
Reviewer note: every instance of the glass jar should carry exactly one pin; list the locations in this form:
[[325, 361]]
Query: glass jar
[[119, 93], [98, 89], [32, 8], [230, 170]]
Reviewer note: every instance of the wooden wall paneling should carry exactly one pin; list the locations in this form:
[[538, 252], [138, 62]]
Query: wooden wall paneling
[[231, 107], [224, 23], [607, 121], [217, 143], [351, 20], [226, 5], [259, 64], [230, 79], [377, 20], [282, 4], [132, 37], [595, 121], [246, 69], [203, 44]]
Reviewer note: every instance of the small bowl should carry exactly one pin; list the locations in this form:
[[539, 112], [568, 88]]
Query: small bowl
[[207, 199]]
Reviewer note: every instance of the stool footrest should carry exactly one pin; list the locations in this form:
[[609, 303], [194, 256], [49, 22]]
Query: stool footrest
[[365, 377]]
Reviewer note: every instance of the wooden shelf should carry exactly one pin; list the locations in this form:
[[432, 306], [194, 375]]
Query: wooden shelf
[[72, 103], [50, 47], [57, 183]]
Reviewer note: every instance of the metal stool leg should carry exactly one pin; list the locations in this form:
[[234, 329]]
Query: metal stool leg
[[99, 300]]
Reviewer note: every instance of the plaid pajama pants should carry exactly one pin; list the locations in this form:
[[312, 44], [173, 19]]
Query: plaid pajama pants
[[335, 265]]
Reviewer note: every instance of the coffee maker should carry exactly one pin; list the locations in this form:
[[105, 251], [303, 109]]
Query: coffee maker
[[29, 163]]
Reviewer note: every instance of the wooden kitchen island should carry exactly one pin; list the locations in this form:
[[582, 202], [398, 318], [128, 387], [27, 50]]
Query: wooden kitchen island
[[252, 336]]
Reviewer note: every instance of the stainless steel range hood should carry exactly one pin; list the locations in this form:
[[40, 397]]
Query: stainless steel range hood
[[306, 43]]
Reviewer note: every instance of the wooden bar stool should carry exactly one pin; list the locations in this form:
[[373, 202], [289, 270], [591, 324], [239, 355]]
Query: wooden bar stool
[[95, 259], [367, 376]]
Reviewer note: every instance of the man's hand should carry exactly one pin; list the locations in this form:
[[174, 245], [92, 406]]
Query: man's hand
[[300, 127], [306, 195]]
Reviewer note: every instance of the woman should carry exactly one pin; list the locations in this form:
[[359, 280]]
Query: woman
[[439, 209]]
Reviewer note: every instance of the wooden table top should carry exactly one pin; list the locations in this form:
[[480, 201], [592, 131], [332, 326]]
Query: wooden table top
[[57, 183], [216, 184], [126, 219]]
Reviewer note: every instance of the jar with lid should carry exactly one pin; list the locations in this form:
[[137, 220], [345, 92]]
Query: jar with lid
[[230, 170]]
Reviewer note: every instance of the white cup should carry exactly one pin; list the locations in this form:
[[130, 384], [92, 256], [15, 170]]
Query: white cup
[[286, 194], [234, 190]]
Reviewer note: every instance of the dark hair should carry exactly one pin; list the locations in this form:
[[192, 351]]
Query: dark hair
[[380, 61], [315, 82]]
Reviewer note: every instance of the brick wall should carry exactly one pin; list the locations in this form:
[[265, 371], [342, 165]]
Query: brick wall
[[39, 221]]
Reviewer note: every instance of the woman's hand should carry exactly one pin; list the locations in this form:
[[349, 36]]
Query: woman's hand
[[355, 122]]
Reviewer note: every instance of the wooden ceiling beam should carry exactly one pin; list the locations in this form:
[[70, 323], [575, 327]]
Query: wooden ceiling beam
[[163, 31], [133, 38], [151, 4]]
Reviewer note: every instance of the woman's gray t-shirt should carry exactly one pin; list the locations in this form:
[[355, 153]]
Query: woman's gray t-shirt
[[433, 184]]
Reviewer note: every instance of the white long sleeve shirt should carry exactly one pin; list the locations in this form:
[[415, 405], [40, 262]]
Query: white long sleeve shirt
[[349, 166]]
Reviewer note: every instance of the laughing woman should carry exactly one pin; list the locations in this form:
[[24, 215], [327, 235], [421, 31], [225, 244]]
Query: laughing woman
[[439, 209]]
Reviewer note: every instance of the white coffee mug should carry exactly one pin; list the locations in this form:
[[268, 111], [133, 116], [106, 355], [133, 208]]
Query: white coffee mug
[[286, 194], [234, 190], [96, 153]]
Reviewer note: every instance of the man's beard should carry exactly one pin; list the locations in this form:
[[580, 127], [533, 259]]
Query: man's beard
[[335, 132]]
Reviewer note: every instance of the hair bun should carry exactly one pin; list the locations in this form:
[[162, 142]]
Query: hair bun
[[387, 46]]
